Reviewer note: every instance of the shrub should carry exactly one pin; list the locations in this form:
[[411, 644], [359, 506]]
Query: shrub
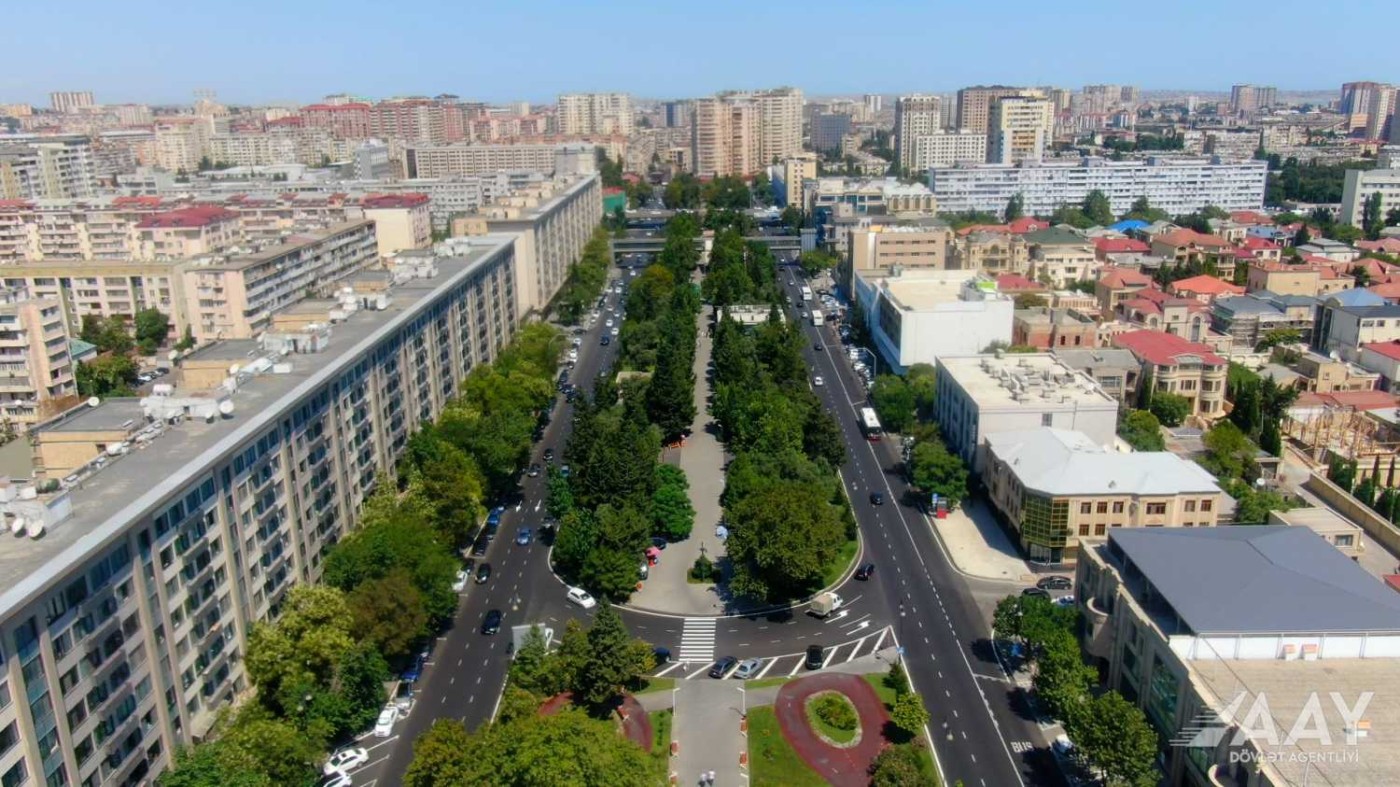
[[703, 570], [836, 710]]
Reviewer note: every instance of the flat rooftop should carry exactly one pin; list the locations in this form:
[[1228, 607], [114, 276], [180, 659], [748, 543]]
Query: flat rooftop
[[227, 350], [1288, 686], [1110, 357], [111, 415], [997, 382], [920, 289], [298, 241], [1259, 579], [129, 487], [311, 306]]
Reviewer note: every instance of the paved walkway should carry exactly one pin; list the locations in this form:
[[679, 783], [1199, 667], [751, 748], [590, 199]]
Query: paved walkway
[[706, 724], [978, 545], [841, 767], [702, 459]]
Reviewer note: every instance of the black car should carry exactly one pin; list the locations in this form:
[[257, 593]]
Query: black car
[[469, 566], [483, 573], [722, 666], [479, 548], [818, 347], [865, 572], [1055, 583], [815, 656], [658, 542], [1036, 592], [563, 381], [661, 655], [877, 498], [534, 471], [606, 340], [492, 622], [549, 454]]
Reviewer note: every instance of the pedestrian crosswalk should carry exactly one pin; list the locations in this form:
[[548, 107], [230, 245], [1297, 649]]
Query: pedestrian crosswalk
[[698, 640]]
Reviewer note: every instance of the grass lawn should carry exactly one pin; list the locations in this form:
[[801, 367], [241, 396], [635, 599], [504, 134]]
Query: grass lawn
[[765, 682], [649, 685], [841, 563], [886, 695], [771, 759], [661, 742], [835, 734]]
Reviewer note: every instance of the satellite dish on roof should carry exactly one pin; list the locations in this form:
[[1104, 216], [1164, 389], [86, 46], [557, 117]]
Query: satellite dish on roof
[[93, 402], [226, 407]]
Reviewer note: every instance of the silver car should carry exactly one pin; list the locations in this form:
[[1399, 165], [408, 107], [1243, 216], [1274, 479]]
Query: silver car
[[747, 669]]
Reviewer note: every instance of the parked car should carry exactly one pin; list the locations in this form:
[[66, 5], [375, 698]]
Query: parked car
[[614, 331], [816, 654], [661, 655], [492, 622], [658, 542], [345, 760], [479, 546], [723, 666], [384, 725], [460, 583], [818, 347], [747, 669], [865, 572], [337, 779], [580, 597], [1036, 592], [483, 573], [534, 471], [1055, 583]]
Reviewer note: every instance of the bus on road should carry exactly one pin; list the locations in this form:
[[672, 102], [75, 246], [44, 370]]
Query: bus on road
[[816, 317], [806, 294], [870, 424]]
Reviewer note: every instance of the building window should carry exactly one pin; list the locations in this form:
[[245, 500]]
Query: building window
[[1343, 540], [1102, 507], [1156, 509], [1099, 529], [1190, 506], [1086, 508], [1118, 506], [1048, 419], [1084, 529], [1206, 505]]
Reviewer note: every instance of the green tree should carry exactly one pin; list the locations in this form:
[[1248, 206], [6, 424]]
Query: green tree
[[109, 334], [186, 342], [534, 669], [1171, 409], [106, 375], [822, 440], [673, 515], [909, 713], [1342, 472], [1062, 679], [564, 748], [816, 261], [1015, 208], [1115, 738], [670, 398], [894, 401], [783, 538], [389, 612], [1366, 491], [213, 764], [302, 648], [1029, 300], [615, 659], [1229, 453], [1142, 210], [152, 327], [277, 749], [936, 470], [901, 765], [1141, 430], [1097, 208]]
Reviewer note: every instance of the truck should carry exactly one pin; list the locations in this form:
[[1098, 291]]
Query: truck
[[825, 604]]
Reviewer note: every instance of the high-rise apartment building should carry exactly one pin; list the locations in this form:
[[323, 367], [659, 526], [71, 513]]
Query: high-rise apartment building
[[1362, 102], [347, 120], [35, 367], [182, 141], [779, 124], [1019, 128], [975, 104], [1380, 114], [827, 130], [1362, 184], [71, 100], [676, 114], [47, 168], [914, 116], [1249, 99], [727, 136], [873, 102], [1062, 99], [440, 161], [944, 148], [595, 113]]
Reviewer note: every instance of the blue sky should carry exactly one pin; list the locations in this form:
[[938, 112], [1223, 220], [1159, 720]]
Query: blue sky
[[298, 50]]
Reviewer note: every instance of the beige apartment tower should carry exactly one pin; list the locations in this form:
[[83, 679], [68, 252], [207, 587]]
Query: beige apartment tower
[[36, 370], [914, 117], [1019, 128], [595, 113], [975, 104], [725, 140]]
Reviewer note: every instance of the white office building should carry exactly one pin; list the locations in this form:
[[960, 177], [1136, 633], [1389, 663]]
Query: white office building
[[920, 315], [1362, 183], [948, 148], [1176, 185]]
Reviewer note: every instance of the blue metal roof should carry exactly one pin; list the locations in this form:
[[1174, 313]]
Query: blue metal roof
[[1128, 224]]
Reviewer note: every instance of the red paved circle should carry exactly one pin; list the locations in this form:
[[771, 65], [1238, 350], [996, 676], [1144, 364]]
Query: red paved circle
[[840, 767], [636, 724]]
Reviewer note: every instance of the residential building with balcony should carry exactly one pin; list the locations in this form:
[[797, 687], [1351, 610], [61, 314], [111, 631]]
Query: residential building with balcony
[[1115, 286], [1199, 626], [180, 521], [401, 221], [1204, 288], [982, 395], [993, 251], [1248, 318], [1060, 491], [186, 232], [45, 167], [1180, 367], [1061, 257], [1345, 321], [36, 369]]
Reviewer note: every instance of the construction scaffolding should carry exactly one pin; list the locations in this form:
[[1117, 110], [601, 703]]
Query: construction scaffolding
[[1332, 431]]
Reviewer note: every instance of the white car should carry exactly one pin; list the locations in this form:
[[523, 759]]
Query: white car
[[336, 779], [580, 597], [818, 381], [384, 725], [460, 583], [608, 323], [345, 760], [614, 331]]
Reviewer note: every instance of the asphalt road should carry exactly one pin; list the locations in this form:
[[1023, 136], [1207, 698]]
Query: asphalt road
[[982, 734]]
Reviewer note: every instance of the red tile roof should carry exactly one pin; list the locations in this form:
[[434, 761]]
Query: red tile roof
[[1384, 245], [15, 203], [1026, 224], [984, 228], [1390, 290], [405, 200], [1390, 349], [1251, 217], [1355, 400], [1204, 285], [136, 202], [1015, 282], [1255, 243], [335, 107], [1164, 349], [1115, 278], [1186, 237], [1120, 245], [197, 216]]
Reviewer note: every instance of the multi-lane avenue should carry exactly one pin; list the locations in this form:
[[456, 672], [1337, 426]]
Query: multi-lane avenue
[[916, 598]]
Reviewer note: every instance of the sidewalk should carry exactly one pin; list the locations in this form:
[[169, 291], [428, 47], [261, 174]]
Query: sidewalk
[[706, 725], [702, 459], [978, 546]]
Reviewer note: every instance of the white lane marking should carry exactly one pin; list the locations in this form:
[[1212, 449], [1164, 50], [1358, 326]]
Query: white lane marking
[[764, 671]]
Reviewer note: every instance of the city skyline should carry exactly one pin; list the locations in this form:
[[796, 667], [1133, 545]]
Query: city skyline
[[275, 54]]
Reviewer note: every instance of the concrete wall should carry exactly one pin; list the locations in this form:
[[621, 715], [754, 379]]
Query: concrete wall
[[1375, 525]]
